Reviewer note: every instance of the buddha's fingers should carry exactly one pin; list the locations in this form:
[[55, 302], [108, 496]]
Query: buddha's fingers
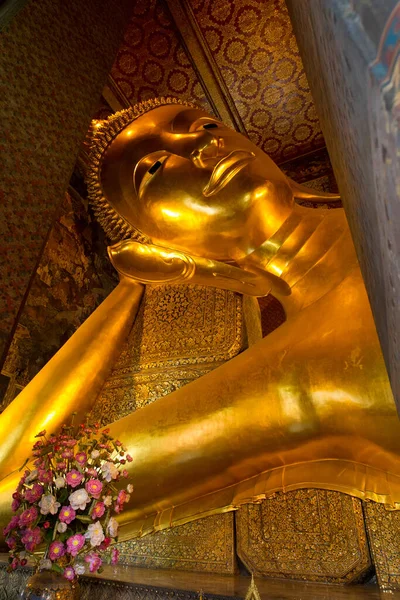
[[71, 380]]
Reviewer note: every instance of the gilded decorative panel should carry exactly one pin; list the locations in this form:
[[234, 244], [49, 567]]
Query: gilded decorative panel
[[383, 528], [180, 333], [256, 51], [205, 545], [151, 61], [313, 535]]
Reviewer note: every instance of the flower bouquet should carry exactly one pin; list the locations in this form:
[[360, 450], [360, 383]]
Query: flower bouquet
[[65, 505]]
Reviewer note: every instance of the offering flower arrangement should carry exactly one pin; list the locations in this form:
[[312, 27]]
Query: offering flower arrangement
[[65, 505]]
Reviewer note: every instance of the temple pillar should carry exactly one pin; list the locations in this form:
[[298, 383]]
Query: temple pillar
[[181, 333], [349, 53], [54, 60]]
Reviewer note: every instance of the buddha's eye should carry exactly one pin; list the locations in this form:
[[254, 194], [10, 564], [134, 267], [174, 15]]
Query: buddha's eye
[[210, 126], [147, 168], [155, 167]]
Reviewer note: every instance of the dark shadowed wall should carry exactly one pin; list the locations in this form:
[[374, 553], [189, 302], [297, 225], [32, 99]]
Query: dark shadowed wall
[[54, 61]]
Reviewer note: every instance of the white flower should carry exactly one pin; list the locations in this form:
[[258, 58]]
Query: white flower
[[45, 564], [32, 476], [107, 500], [95, 454], [79, 568], [59, 482], [95, 534], [129, 488], [110, 471], [48, 504], [79, 499], [61, 527], [112, 527]]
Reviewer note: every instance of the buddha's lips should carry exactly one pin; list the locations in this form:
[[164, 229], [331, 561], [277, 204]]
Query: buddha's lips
[[226, 169]]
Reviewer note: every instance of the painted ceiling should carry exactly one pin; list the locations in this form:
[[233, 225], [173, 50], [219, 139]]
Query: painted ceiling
[[238, 59]]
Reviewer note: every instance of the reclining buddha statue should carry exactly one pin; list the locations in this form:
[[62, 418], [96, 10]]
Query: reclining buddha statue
[[185, 199]]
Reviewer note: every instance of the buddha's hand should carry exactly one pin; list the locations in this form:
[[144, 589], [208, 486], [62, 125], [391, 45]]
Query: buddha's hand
[[147, 263]]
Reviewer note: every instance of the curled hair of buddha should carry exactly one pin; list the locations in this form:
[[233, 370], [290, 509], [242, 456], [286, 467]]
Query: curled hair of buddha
[[102, 134]]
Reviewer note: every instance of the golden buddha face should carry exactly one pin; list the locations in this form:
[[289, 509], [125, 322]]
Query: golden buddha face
[[190, 183]]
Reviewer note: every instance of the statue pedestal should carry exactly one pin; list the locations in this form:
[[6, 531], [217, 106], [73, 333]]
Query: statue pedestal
[[133, 583]]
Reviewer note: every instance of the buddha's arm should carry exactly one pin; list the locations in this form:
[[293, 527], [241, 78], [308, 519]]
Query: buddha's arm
[[71, 380], [310, 405], [151, 264]]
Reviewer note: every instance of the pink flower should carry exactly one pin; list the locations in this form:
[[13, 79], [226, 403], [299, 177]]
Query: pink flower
[[70, 443], [67, 453], [118, 443], [15, 504], [92, 472], [74, 478], [11, 542], [15, 563], [105, 543], [125, 473], [61, 466], [129, 458], [31, 538], [94, 487], [56, 550], [122, 497], [81, 458], [114, 556], [94, 561], [45, 476], [11, 525], [28, 516], [46, 524], [75, 543], [35, 493], [67, 514], [98, 510], [41, 434], [69, 573]]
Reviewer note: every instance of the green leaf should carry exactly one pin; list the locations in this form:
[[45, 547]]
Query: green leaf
[[84, 518], [55, 567]]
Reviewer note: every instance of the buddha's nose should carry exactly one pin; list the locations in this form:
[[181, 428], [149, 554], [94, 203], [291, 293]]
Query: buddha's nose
[[210, 148]]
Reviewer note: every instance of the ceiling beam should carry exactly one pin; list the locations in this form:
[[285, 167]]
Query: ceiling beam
[[203, 63]]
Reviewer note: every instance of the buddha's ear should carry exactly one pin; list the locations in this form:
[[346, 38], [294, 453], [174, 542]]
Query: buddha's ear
[[302, 192], [147, 263]]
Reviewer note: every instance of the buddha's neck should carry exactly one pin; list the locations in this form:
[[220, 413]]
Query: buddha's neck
[[312, 253]]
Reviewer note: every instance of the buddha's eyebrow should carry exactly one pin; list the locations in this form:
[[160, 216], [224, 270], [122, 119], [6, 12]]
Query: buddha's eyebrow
[[183, 120]]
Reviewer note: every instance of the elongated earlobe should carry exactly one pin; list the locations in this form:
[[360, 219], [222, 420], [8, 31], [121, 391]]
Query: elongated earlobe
[[303, 192]]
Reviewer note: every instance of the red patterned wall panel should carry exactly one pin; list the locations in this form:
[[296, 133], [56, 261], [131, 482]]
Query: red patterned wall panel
[[151, 61], [253, 43]]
